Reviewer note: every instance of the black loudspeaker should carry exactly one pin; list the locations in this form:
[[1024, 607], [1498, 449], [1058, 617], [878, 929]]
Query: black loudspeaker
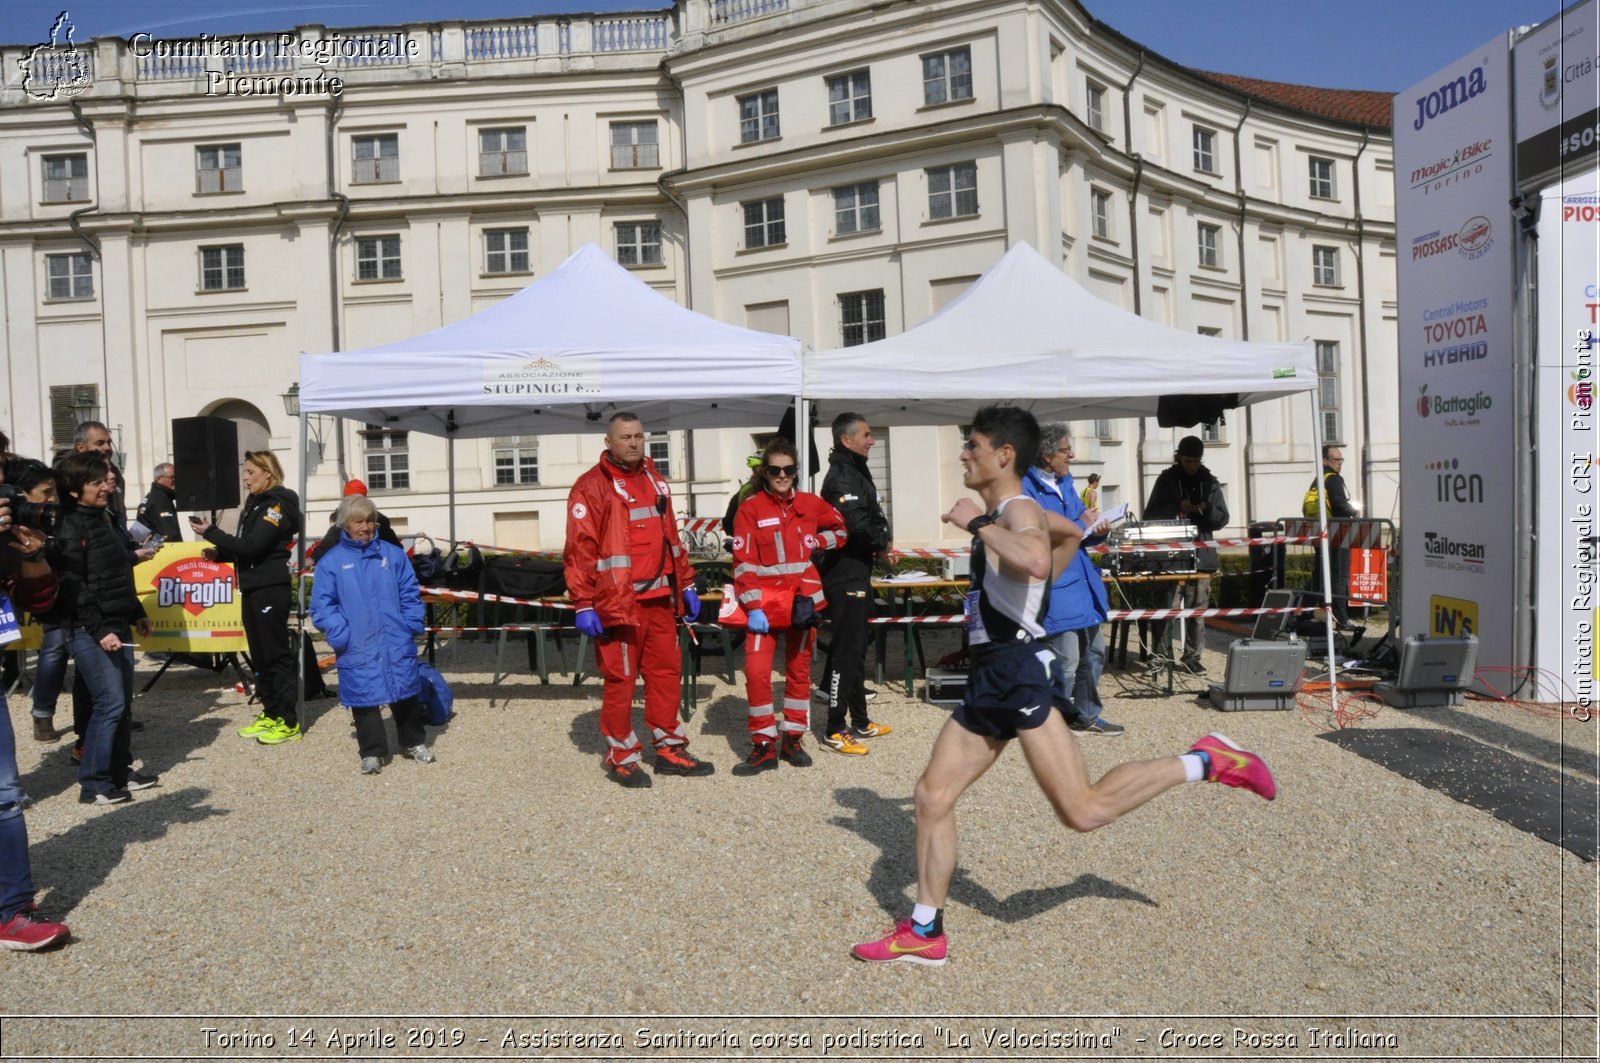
[[205, 459]]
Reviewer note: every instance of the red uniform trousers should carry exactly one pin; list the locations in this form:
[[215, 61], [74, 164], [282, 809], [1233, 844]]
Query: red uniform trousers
[[758, 654], [651, 649]]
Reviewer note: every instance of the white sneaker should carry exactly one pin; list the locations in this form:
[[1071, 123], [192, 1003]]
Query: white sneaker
[[371, 765], [420, 754]]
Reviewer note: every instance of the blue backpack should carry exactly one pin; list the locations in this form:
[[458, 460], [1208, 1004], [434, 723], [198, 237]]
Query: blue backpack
[[438, 703]]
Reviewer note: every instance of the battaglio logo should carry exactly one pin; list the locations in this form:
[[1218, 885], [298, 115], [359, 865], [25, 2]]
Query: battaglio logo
[[195, 584], [1466, 407], [56, 70], [1449, 96]]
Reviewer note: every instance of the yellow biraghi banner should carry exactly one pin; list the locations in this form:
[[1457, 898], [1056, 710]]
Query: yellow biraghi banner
[[193, 603]]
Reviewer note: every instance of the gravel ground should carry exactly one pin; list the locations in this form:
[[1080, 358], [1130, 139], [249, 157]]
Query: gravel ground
[[510, 878]]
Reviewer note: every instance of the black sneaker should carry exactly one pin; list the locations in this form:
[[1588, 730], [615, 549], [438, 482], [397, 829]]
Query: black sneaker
[[115, 797], [794, 752], [138, 781], [677, 760], [1096, 727], [631, 775], [763, 757], [1193, 666]]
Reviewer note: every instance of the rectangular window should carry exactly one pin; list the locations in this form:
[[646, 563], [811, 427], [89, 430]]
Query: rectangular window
[[375, 159], [634, 146], [659, 447], [1100, 213], [855, 208], [500, 152], [758, 116], [378, 258], [1321, 178], [70, 406], [849, 97], [1209, 240], [861, 317], [66, 178], [639, 243], [1205, 149], [516, 461], [388, 459], [953, 190], [1328, 389], [947, 76], [69, 276], [763, 223], [1094, 106], [1211, 433], [1102, 429], [1325, 266], [218, 168], [505, 250], [222, 268]]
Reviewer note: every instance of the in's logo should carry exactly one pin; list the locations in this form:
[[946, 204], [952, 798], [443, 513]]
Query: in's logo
[[1452, 617], [56, 70]]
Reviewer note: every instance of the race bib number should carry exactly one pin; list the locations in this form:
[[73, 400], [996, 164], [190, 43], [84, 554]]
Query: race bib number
[[10, 630], [977, 635]]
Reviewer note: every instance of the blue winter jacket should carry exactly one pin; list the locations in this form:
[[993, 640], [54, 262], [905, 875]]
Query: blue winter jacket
[[365, 599], [1078, 596]]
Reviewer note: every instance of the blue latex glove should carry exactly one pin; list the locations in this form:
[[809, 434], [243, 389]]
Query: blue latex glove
[[757, 622], [589, 623], [691, 604]]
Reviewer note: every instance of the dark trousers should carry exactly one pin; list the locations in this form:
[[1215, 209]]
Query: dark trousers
[[374, 740], [266, 629], [844, 674], [107, 737], [1339, 566]]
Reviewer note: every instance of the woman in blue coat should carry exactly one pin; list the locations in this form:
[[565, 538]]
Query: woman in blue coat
[[366, 601]]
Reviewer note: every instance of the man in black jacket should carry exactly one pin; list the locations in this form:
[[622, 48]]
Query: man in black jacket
[[1187, 490], [847, 583], [1339, 506], [159, 510]]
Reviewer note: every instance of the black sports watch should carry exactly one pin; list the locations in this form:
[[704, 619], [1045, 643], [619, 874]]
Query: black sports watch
[[981, 521]]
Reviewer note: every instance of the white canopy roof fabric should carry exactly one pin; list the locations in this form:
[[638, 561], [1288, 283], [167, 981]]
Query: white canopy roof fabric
[[563, 354], [1028, 334]]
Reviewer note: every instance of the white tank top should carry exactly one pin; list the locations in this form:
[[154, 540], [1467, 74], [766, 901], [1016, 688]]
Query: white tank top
[[1000, 608]]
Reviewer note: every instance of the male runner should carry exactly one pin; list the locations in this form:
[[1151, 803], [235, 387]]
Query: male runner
[[1008, 690]]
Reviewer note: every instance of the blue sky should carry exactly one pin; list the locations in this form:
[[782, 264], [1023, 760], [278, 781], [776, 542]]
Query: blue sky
[[1366, 44]]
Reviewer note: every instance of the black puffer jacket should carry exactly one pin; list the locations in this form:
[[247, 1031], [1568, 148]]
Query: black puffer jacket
[[848, 487], [268, 529], [91, 559]]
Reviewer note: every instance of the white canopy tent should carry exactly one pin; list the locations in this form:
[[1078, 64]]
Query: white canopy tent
[[562, 355], [1026, 334]]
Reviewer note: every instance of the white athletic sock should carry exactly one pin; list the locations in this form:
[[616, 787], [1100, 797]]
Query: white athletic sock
[[1194, 767], [923, 914]]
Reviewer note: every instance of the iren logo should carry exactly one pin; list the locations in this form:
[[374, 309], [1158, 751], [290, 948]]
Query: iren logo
[[1452, 485]]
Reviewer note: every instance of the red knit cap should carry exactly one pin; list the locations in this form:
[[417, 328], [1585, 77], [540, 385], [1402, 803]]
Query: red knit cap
[[354, 487]]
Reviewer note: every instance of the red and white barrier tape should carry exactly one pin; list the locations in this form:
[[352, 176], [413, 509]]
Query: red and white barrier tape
[[474, 596]]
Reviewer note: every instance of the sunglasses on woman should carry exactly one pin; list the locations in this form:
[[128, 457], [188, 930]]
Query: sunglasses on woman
[[780, 470]]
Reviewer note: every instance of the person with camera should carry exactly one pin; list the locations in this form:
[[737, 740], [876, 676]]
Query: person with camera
[[33, 485], [1187, 490], [627, 574], [26, 582], [775, 534], [269, 526], [99, 609]]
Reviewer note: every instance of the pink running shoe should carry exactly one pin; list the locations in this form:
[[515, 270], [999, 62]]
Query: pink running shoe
[[1234, 765], [24, 932], [903, 943]]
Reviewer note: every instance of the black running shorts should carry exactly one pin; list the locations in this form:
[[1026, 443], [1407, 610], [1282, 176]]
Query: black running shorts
[[1008, 690]]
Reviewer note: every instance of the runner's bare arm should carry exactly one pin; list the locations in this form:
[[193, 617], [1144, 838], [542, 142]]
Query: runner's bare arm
[[1018, 540], [1066, 536]]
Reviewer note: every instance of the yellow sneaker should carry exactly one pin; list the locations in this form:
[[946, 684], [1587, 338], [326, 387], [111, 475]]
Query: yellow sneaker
[[278, 733], [845, 742], [262, 724]]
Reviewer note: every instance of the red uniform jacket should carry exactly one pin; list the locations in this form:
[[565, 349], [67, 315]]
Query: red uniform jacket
[[622, 542], [773, 540]]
